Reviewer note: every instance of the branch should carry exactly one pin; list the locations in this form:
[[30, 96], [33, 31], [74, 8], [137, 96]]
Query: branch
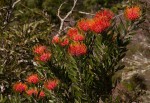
[[67, 15], [82, 12], [58, 13], [15, 3]]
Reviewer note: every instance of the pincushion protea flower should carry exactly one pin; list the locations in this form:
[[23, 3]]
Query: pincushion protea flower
[[45, 57], [64, 42], [19, 87], [42, 94], [101, 21], [104, 14], [133, 12], [98, 25], [90, 22], [39, 49], [34, 92], [55, 39], [77, 49], [33, 79], [78, 37], [73, 34], [83, 25], [43, 54], [31, 92], [50, 84]]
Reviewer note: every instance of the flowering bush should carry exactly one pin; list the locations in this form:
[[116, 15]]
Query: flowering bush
[[78, 66], [87, 57]]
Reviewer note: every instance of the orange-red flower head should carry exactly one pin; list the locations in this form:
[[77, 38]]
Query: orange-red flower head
[[98, 25], [101, 21], [34, 92], [19, 87], [42, 53], [42, 94], [104, 14], [77, 49], [55, 39], [78, 37], [132, 13], [73, 34], [45, 57], [39, 49], [83, 25], [31, 92], [90, 23], [64, 42], [50, 84], [33, 79]]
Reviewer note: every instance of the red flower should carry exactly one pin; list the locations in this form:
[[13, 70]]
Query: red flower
[[45, 57], [71, 32], [39, 49], [19, 87], [33, 79], [31, 92], [64, 42], [99, 25], [55, 39], [77, 49], [104, 14], [34, 92], [42, 94], [78, 37], [74, 35], [101, 21], [90, 22], [83, 25], [51, 84], [132, 13]]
